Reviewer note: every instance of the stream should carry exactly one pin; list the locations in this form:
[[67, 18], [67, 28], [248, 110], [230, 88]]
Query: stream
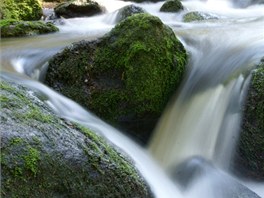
[[200, 125]]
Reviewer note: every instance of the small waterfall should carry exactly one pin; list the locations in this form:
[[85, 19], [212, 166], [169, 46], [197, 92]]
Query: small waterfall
[[193, 125], [204, 118]]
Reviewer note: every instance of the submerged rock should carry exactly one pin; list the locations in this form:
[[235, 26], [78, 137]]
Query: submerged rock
[[45, 156], [78, 8], [198, 16], [13, 28], [126, 77], [127, 11], [249, 159], [171, 6], [27, 10], [199, 178], [246, 3]]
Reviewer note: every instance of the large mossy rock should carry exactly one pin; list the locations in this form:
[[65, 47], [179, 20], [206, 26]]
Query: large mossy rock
[[13, 28], [45, 156], [78, 8], [250, 154], [27, 10], [171, 6], [198, 16], [127, 77], [127, 11]]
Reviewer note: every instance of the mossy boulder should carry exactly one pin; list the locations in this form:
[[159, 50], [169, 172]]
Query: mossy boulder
[[198, 16], [13, 28], [78, 8], [43, 155], [171, 6], [249, 159], [127, 11], [127, 77], [27, 10]]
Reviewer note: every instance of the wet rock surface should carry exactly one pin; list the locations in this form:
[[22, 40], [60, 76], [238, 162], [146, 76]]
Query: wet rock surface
[[43, 155]]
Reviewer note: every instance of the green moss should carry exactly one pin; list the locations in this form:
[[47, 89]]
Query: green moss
[[20, 9], [141, 49], [251, 144], [16, 141], [28, 113], [197, 16], [3, 99], [172, 6], [31, 160], [108, 102], [25, 162], [102, 149], [36, 114], [6, 86], [13, 28]]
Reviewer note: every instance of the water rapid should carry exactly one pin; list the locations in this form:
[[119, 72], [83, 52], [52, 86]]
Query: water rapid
[[201, 124]]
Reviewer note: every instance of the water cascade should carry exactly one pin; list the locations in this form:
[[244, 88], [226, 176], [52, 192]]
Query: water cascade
[[201, 123]]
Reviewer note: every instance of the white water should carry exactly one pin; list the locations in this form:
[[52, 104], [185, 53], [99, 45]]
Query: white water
[[204, 118]]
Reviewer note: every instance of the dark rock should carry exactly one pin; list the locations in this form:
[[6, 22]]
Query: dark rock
[[127, 11], [249, 159], [78, 8], [45, 156], [172, 6], [127, 77], [13, 28]]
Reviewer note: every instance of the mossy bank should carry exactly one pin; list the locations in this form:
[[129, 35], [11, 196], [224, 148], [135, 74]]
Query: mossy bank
[[45, 156], [127, 77]]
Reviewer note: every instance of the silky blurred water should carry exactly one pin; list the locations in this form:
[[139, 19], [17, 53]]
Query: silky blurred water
[[203, 117]]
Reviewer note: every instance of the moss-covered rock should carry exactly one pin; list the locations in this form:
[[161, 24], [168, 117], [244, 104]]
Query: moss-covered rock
[[127, 11], [171, 6], [127, 77], [14, 28], [198, 16], [45, 156], [27, 10], [249, 159], [78, 8]]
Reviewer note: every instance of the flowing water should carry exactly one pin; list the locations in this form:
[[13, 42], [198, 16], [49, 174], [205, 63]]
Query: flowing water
[[200, 125]]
